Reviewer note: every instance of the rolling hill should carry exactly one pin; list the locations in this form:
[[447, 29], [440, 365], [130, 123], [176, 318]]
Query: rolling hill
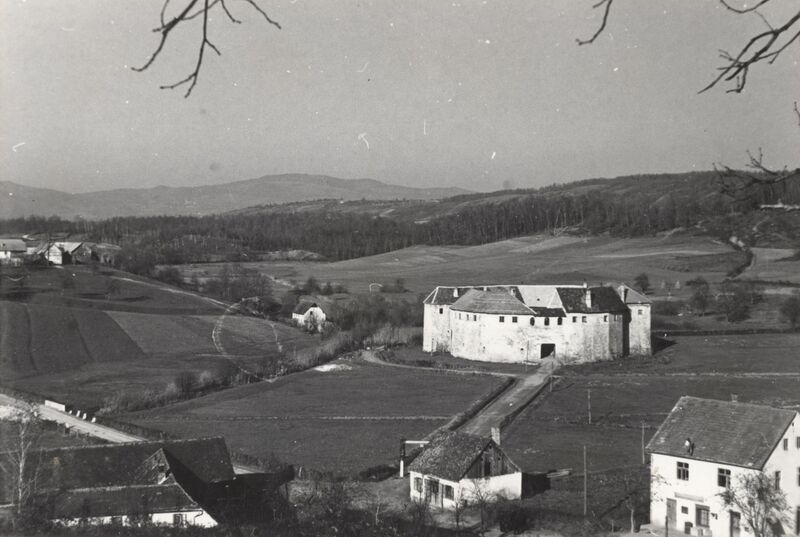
[[19, 200]]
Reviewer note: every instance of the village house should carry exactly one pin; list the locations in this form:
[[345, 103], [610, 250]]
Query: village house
[[705, 446], [459, 468], [62, 253], [527, 323], [178, 483], [309, 314], [11, 250]]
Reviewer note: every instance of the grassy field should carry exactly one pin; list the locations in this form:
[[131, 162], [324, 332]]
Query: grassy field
[[343, 420], [72, 343], [628, 393]]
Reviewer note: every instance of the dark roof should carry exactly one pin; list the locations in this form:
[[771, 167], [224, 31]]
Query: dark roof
[[451, 456], [633, 296], [443, 296], [740, 434], [111, 465], [305, 305], [12, 245], [604, 300], [493, 301], [120, 501], [547, 312]]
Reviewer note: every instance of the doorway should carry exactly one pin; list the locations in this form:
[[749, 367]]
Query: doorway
[[548, 349]]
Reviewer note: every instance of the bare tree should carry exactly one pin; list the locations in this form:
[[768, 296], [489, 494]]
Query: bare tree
[[19, 463], [483, 498], [188, 11], [760, 501]]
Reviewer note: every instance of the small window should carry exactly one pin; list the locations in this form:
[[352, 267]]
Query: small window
[[786, 444], [502, 319], [116, 521], [533, 322], [797, 442], [448, 492], [513, 319], [441, 310], [178, 520], [433, 487], [723, 477], [798, 476], [639, 312], [418, 484], [459, 316], [605, 318], [474, 317], [547, 321], [702, 516], [574, 318], [683, 471], [684, 510], [560, 321], [778, 479], [583, 319]]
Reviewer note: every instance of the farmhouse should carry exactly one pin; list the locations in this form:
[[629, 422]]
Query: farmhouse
[[459, 468], [180, 483], [62, 253], [309, 314], [705, 446], [11, 249], [520, 323]]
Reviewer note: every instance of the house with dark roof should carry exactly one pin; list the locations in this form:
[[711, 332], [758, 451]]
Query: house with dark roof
[[309, 314], [705, 446], [458, 467], [176, 482], [528, 323], [11, 250]]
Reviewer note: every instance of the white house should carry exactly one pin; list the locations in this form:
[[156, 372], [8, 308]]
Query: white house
[[11, 249], [706, 445], [457, 467], [308, 313], [61, 253], [522, 323]]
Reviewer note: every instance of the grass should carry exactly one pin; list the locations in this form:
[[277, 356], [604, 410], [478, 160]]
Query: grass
[[628, 393], [342, 420]]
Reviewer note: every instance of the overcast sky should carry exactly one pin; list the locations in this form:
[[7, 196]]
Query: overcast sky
[[419, 93]]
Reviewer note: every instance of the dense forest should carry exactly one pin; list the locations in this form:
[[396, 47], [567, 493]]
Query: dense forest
[[344, 235]]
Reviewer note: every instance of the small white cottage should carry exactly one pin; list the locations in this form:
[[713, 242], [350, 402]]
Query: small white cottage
[[309, 314], [458, 467]]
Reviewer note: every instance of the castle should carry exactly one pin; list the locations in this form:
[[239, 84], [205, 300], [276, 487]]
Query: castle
[[527, 323]]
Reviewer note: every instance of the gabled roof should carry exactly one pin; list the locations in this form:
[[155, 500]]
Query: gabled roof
[[121, 501], [12, 245], [604, 300], [739, 434], [633, 296], [111, 465], [548, 312], [445, 296], [451, 456], [493, 301], [305, 305]]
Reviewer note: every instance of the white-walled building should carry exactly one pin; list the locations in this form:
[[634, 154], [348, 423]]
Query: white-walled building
[[11, 249], [706, 445], [520, 323], [309, 314], [62, 253], [458, 467]]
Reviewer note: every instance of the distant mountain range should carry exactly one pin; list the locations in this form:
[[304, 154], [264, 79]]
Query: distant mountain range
[[19, 200]]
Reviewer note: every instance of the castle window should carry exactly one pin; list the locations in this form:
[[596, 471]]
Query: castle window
[[547, 321], [474, 317], [502, 319], [723, 477], [583, 319], [459, 316], [560, 321], [640, 312], [574, 318], [683, 471], [605, 318], [786, 444], [441, 310], [513, 319], [533, 322]]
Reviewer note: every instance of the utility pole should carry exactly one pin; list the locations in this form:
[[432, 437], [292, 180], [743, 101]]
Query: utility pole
[[585, 482], [589, 403]]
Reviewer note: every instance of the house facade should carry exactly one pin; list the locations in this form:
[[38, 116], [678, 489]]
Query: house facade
[[11, 249], [527, 323], [309, 314], [461, 468], [62, 253], [705, 446]]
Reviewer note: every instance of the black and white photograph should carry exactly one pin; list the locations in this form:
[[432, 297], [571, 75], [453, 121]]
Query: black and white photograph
[[431, 268]]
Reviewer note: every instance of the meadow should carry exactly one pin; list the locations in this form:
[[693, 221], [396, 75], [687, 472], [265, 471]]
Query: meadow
[[343, 418]]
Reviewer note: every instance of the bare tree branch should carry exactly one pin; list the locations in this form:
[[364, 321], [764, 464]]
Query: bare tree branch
[[739, 184], [744, 9], [187, 14], [607, 4]]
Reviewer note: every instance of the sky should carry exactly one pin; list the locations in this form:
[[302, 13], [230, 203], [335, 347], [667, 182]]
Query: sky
[[478, 94]]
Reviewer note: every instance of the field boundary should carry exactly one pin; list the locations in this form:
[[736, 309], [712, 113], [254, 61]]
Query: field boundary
[[724, 332]]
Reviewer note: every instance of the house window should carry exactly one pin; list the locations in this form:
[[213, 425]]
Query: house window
[[547, 321], [684, 510], [786, 444], [116, 521], [533, 321], [702, 516], [433, 487], [474, 317], [723, 477], [583, 319], [797, 442], [605, 318], [448, 492], [560, 321], [418, 484], [640, 312], [778, 479], [502, 319], [683, 471], [513, 319], [178, 519], [574, 318], [459, 316], [441, 310]]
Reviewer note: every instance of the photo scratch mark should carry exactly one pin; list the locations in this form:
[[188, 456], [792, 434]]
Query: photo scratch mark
[[494, 154], [15, 146], [363, 68], [363, 138], [424, 127]]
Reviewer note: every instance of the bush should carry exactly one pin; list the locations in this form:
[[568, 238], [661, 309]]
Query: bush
[[790, 311]]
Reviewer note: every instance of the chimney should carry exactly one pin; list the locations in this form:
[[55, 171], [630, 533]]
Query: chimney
[[496, 435], [455, 292], [587, 296], [623, 293]]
